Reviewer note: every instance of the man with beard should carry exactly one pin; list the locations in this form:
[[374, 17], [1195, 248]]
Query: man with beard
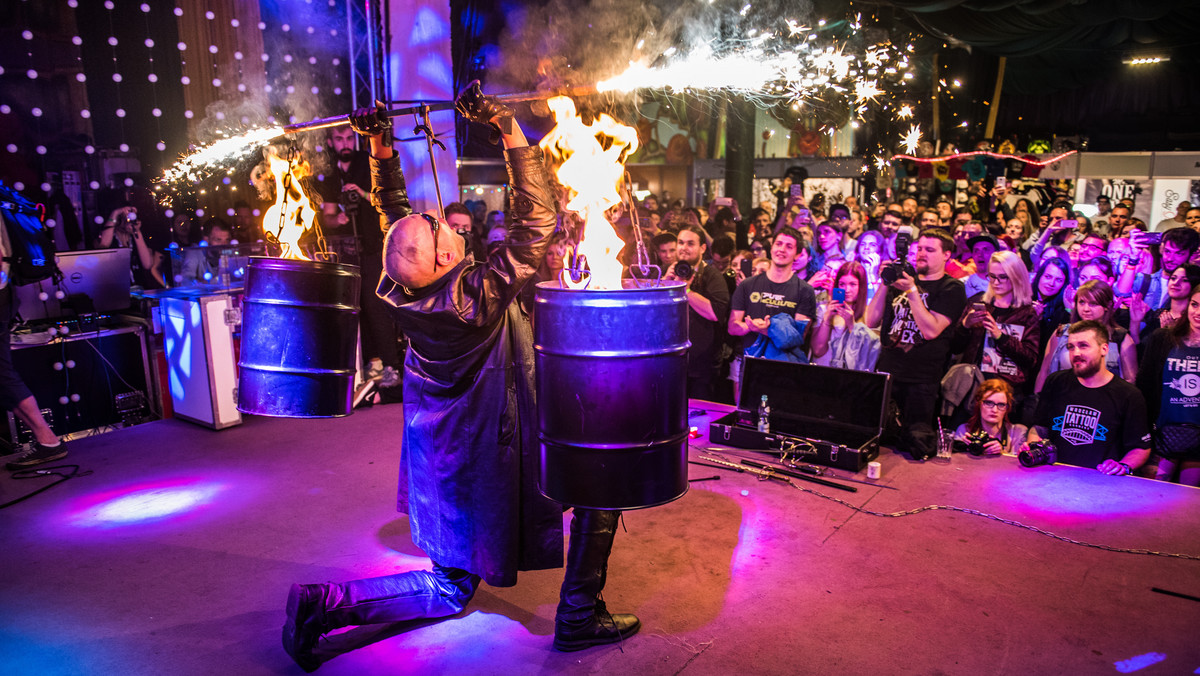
[[348, 209], [708, 305], [1093, 418], [760, 297], [913, 318]]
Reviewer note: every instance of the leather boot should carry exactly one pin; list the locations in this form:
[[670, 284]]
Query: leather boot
[[316, 609], [582, 620]]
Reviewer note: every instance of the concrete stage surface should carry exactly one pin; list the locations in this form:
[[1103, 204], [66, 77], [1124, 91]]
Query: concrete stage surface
[[175, 556]]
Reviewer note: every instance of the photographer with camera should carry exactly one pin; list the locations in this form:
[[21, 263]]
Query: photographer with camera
[[348, 211], [914, 318], [989, 430], [708, 305], [1092, 417], [779, 291], [123, 230]]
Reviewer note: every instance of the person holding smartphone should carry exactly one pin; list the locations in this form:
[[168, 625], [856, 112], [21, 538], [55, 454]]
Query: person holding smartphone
[[843, 339], [1175, 248], [999, 331], [1056, 228]]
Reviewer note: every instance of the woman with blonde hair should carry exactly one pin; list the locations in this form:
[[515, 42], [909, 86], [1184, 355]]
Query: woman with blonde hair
[[999, 329]]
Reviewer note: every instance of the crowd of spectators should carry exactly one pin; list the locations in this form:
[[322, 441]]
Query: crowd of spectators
[[995, 318]]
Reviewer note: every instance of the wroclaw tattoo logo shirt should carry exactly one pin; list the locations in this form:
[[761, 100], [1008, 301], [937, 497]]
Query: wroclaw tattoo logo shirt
[[1091, 424], [1080, 425]]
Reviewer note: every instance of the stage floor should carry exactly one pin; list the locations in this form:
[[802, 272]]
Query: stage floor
[[175, 556]]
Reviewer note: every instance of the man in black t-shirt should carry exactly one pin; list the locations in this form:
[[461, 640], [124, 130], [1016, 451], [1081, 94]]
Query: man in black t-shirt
[[762, 296], [708, 305], [914, 318], [1093, 418]]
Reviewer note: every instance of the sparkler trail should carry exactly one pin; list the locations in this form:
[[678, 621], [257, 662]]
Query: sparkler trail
[[768, 69], [225, 152]]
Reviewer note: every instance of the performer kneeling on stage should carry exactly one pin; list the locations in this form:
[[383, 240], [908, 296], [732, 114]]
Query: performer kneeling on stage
[[469, 458]]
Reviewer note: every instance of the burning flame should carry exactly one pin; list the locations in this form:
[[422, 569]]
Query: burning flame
[[591, 166], [292, 213]]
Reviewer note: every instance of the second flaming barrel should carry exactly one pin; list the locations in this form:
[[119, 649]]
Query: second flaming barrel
[[299, 336], [612, 395]]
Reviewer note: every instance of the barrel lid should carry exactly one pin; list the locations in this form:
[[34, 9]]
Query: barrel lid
[[301, 265]]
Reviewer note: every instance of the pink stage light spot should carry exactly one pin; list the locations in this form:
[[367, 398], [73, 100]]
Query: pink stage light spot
[[1065, 494], [143, 503]]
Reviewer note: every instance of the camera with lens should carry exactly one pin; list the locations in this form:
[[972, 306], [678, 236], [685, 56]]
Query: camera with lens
[[684, 270], [977, 442], [892, 270], [1039, 453], [350, 198]]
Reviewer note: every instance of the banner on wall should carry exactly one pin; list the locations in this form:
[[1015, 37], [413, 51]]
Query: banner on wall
[[1168, 193], [1087, 190]]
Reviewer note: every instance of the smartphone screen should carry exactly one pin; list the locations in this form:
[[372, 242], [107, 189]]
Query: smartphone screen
[[797, 190]]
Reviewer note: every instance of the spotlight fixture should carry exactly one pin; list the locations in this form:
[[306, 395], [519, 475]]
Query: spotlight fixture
[[1145, 60]]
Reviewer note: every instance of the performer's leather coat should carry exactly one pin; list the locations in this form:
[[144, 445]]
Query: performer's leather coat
[[469, 458]]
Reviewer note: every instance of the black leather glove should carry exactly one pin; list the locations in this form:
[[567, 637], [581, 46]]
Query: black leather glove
[[480, 109], [372, 121]]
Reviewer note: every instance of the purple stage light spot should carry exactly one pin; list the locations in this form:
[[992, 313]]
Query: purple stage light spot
[[1139, 662], [143, 503]]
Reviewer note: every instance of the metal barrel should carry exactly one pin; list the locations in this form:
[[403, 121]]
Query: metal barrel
[[612, 395], [299, 338]]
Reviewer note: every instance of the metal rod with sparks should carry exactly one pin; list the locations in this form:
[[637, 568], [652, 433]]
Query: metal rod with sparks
[[435, 106]]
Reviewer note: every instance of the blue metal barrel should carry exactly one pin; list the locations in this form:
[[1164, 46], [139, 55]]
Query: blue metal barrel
[[612, 395], [299, 337]]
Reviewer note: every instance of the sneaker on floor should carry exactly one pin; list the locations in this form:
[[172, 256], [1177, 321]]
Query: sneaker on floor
[[37, 455]]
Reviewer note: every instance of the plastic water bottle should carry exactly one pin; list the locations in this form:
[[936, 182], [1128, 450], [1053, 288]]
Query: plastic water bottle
[[764, 416]]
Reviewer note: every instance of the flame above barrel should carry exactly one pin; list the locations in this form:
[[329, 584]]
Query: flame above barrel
[[292, 213], [591, 164]]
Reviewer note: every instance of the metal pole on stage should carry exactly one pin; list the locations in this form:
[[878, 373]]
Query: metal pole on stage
[[433, 106]]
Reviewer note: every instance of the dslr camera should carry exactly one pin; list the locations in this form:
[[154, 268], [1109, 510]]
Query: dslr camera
[[889, 272], [976, 441], [1039, 453], [684, 270]]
